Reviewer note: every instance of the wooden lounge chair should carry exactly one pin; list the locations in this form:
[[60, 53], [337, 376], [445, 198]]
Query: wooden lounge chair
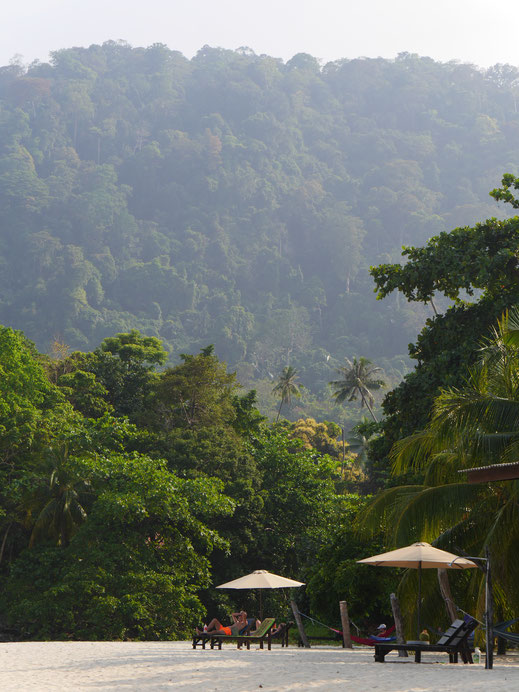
[[453, 642], [264, 632], [203, 637]]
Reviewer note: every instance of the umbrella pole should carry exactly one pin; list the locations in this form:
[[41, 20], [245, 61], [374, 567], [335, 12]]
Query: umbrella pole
[[261, 607], [419, 595]]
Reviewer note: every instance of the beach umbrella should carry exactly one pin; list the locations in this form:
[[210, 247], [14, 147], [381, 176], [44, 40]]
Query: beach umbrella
[[261, 579], [419, 556]]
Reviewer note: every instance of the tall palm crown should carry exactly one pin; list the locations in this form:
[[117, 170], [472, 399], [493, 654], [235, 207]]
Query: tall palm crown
[[286, 387], [472, 426], [357, 381], [55, 508]]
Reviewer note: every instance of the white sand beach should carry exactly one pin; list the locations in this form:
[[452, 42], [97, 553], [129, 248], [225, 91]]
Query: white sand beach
[[70, 666]]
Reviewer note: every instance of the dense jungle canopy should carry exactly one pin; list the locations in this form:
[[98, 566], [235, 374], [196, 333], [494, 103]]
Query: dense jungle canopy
[[236, 199], [152, 206]]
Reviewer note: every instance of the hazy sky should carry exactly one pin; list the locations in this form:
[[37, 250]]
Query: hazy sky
[[477, 31]]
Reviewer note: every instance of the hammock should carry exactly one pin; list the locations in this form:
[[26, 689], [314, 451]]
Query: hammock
[[374, 638], [369, 641]]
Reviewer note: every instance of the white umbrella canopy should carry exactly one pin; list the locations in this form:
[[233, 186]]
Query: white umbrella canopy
[[419, 556], [261, 579]]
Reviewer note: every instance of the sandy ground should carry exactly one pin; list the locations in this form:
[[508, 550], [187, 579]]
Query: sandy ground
[[175, 665]]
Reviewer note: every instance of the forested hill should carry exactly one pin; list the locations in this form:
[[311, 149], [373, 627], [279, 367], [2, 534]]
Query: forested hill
[[236, 199]]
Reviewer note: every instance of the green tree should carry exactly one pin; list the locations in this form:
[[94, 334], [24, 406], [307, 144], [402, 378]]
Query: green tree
[[196, 393], [286, 387], [335, 575], [357, 381], [478, 262], [134, 567], [123, 366], [300, 501], [473, 425]]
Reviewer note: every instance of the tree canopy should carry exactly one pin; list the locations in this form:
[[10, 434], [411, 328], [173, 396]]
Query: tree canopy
[[116, 520], [239, 200]]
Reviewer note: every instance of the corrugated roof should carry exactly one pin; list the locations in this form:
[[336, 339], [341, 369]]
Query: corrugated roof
[[492, 466]]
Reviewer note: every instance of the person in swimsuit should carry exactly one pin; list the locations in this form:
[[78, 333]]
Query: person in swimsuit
[[216, 627], [247, 623]]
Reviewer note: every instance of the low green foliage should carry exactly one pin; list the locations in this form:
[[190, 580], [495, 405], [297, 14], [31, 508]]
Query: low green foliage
[[335, 575], [111, 529], [133, 569]]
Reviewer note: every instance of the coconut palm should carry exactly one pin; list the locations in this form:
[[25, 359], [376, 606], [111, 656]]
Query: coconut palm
[[475, 425], [359, 438], [55, 507], [357, 382], [286, 387]]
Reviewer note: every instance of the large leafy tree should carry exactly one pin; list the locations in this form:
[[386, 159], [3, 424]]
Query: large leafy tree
[[32, 412], [194, 394], [335, 575], [133, 569], [477, 269], [117, 377]]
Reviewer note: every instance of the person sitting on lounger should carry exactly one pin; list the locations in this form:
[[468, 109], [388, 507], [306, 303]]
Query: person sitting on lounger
[[276, 627], [216, 627], [239, 625], [248, 623], [241, 618], [258, 626]]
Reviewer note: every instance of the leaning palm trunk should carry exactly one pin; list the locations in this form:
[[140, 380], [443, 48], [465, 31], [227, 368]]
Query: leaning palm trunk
[[367, 405]]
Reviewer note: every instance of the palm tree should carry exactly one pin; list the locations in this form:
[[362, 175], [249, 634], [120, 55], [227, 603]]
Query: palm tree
[[286, 387], [475, 425], [357, 381], [57, 503], [359, 438]]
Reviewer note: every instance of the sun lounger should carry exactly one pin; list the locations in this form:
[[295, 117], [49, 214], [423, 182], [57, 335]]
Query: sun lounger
[[453, 642], [203, 637], [264, 632]]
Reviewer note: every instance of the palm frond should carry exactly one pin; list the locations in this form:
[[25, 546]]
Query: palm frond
[[386, 508], [434, 509], [414, 452], [442, 468]]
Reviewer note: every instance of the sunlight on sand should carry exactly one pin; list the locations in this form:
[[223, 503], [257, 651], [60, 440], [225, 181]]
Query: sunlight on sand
[[31, 666]]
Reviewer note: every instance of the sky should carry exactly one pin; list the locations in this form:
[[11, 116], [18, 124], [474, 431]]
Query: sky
[[481, 32]]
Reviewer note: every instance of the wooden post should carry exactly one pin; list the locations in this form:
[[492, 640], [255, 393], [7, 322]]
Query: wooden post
[[299, 624], [399, 623], [445, 589], [346, 635]]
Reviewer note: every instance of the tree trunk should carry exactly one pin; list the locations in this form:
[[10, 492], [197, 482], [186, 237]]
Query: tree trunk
[[399, 623], [343, 454], [299, 624], [366, 403], [346, 635], [445, 589], [4, 540]]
